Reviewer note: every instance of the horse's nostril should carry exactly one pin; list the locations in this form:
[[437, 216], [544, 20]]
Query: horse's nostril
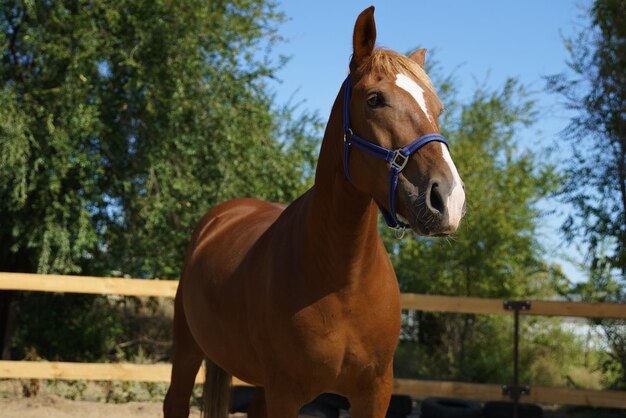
[[436, 202]]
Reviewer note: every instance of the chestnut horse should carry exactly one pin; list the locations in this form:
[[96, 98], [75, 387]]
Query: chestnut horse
[[303, 299]]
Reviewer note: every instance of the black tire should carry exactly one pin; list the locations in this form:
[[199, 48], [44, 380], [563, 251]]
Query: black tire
[[240, 398], [318, 410], [450, 408], [504, 409], [399, 406], [336, 401]]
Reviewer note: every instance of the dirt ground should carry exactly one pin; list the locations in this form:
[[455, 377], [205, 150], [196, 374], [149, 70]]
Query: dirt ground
[[43, 399], [48, 403], [50, 406]]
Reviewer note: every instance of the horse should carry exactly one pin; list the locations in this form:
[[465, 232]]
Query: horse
[[302, 299]]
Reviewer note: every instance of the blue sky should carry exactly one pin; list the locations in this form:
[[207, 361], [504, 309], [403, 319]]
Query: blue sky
[[482, 42]]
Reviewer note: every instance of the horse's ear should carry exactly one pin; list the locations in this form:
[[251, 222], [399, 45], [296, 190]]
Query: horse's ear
[[419, 56], [364, 36]]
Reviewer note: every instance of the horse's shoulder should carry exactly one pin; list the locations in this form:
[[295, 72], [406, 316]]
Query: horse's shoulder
[[237, 213]]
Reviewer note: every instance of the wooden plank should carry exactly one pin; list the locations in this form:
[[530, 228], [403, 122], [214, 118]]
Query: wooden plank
[[582, 397], [454, 304], [85, 284], [578, 309], [415, 388], [485, 392], [92, 371], [430, 303], [484, 306], [85, 371], [424, 388]]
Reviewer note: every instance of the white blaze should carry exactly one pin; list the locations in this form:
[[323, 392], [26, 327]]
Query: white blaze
[[456, 199], [414, 89]]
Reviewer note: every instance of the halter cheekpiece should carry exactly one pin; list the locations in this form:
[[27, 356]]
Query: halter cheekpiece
[[397, 159]]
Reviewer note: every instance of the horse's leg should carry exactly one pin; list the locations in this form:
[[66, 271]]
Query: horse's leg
[[258, 408], [185, 365], [374, 401]]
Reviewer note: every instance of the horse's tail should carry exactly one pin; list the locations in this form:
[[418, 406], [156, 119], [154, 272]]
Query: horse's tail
[[216, 391]]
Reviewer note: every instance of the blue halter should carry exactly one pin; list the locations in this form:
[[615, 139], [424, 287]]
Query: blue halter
[[396, 158]]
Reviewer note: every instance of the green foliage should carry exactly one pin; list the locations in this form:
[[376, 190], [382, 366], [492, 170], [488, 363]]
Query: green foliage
[[480, 349], [594, 89], [67, 327], [47, 169], [123, 122], [128, 120]]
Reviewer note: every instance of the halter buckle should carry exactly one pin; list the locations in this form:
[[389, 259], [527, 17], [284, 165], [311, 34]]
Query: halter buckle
[[397, 155], [347, 134]]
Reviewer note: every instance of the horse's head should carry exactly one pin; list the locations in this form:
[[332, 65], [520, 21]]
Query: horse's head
[[392, 104]]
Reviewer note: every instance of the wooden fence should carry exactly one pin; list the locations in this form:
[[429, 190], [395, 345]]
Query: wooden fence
[[414, 388]]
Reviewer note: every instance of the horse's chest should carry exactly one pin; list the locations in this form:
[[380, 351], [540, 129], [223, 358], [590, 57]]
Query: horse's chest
[[338, 339]]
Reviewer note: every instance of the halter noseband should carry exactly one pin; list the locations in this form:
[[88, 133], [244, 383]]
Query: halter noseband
[[396, 158]]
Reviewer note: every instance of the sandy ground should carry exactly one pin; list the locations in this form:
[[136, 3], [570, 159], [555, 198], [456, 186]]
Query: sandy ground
[[57, 407], [50, 402], [50, 406]]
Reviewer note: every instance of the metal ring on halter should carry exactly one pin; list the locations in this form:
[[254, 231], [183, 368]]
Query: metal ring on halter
[[399, 232]]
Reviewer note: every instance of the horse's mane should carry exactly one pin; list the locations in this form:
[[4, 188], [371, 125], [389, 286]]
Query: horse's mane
[[391, 63]]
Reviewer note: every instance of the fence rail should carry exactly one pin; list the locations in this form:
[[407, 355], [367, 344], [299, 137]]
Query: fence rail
[[430, 303], [86, 284], [485, 306], [414, 388], [56, 370]]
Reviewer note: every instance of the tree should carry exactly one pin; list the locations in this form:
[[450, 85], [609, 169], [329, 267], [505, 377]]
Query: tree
[[123, 122], [594, 89], [495, 253]]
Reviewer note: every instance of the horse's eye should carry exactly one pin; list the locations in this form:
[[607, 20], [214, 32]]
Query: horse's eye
[[375, 100]]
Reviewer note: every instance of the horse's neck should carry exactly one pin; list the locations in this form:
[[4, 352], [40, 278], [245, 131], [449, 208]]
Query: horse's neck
[[342, 220]]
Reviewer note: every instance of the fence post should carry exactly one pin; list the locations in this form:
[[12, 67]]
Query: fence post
[[515, 391]]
